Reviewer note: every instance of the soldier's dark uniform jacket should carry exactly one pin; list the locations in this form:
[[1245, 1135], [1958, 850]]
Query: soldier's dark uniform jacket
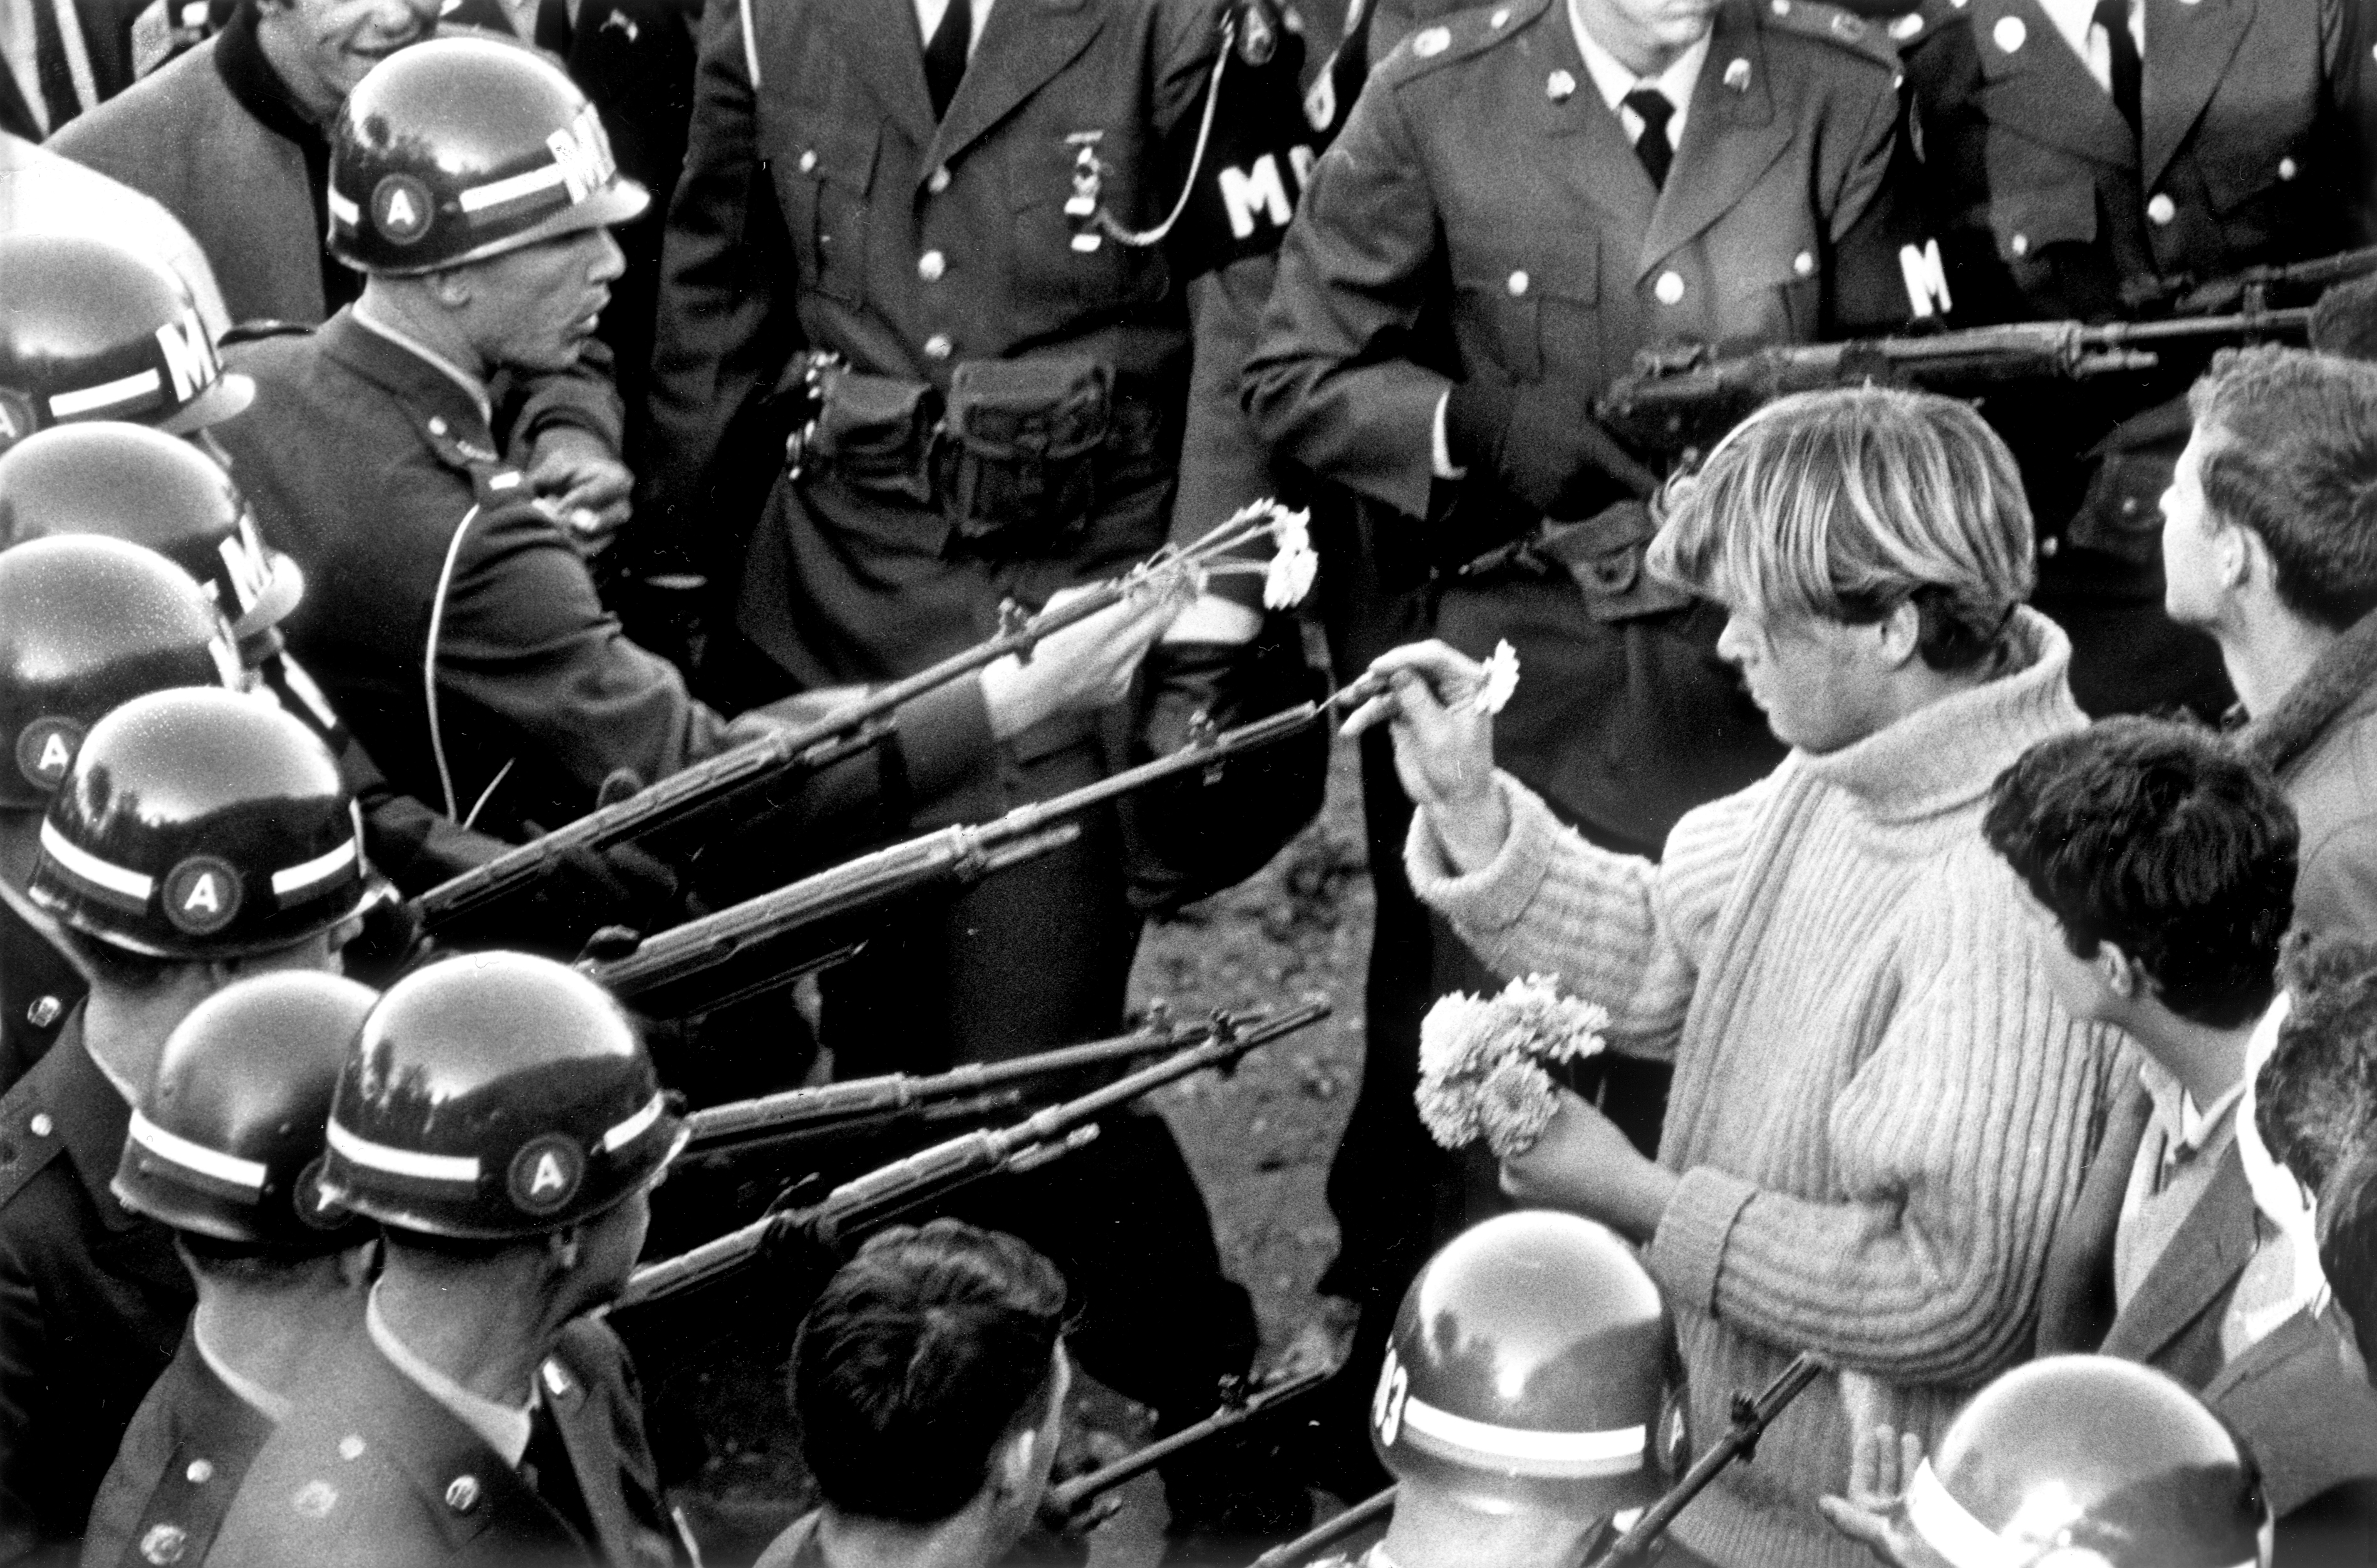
[[1484, 215], [373, 1470], [39, 986], [2251, 151], [92, 1298], [376, 470], [181, 1463]]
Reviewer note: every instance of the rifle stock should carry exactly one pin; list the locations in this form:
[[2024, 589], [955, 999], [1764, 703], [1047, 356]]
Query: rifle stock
[[665, 975], [885, 1193]]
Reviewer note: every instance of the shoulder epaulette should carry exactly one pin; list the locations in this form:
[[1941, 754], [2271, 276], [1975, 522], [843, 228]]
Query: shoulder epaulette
[[258, 331], [29, 1137], [1843, 29], [494, 481], [1458, 36]]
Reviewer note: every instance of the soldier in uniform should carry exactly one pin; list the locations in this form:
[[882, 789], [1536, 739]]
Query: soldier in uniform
[[499, 1117], [84, 626], [1523, 1399], [199, 836], [224, 1148], [2092, 160], [1523, 197]]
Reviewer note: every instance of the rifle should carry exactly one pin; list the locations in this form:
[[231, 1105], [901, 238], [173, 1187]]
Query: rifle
[[676, 972], [867, 1106], [1677, 399], [2250, 290], [736, 783], [1239, 1406], [1751, 1420], [1320, 1537], [886, 1194]]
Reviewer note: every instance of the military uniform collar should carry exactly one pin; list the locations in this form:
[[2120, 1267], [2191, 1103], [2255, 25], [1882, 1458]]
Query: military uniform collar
[[235, 1386], [504, 1428], [416, 376]]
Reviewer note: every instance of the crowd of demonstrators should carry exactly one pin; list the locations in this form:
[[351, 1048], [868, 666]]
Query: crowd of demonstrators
[[1991, 1088]]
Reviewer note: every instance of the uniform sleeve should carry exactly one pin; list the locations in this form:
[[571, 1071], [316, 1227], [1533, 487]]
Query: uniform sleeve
[[525, 638], [1223, 465], [1331, 383], [725, 320], [24, 1335], [1875, 209], [1618, 929], [1956, 1147], [584, 396]]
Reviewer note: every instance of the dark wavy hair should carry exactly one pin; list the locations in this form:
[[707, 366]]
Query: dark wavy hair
[[2315, 1099], [2162, 839], [925, 1351], [2290, 452]]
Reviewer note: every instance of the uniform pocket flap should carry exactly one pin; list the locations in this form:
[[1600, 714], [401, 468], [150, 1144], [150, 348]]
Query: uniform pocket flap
[[2028, 220]]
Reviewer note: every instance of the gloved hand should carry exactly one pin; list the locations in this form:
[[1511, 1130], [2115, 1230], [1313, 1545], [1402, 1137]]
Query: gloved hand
[[1541, 444]]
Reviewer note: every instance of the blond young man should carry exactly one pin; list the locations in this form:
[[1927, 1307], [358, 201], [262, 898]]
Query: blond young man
[[1879, 1110]]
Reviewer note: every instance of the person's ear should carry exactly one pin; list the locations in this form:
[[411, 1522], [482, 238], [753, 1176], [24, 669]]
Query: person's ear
[[2240, 556], [1900, 635], [565, 1246], [2118, 973], [449, 286]]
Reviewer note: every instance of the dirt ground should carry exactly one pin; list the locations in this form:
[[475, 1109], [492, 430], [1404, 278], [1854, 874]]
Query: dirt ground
[[1259, 1142]]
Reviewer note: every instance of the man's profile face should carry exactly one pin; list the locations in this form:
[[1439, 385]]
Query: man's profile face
[[333, 43], [1813, 679], [535, 308]]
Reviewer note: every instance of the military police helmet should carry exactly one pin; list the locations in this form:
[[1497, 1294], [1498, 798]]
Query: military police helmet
[[136, 484], [86, 623], [199, 824], [94, 330], [228, 1140], [495, 1096], [2090, 1462], [1530, 1368], [461, 148]]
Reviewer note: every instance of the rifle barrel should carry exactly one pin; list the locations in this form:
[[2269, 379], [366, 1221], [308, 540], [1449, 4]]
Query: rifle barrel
[[929, 1173], [797, 1110], [1751, 1420], [1081, 1489], [1320, 1537]]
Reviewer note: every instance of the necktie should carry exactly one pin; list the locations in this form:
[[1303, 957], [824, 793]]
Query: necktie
[[553, 28], [2128, 71], [548, 1472], [944, 54], [60, 102], [1651, 147]]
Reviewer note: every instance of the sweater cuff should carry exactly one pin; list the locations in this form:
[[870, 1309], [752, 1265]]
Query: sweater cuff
[[944, 737], [1495, 896], [1689, 1247]]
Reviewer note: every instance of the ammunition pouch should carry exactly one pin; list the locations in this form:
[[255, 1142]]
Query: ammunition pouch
[[1022, 439], [1009, 456]]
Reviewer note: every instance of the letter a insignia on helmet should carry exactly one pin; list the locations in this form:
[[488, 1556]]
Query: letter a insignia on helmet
[[546, 1173], [202, 894]]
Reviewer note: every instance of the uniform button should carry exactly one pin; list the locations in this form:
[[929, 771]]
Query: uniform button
[[42, 1125], [1558, 86], [1782, 8], [1501, 16], [200, 1472], [2019, 245], [1669, 288], [808, 160], [938, 179], [931, 264], [1804, 264], [1518, 282], [164, 1545], [938, 347], [351, 1447], [2161, 209], [45, 1012], [2049, 545], [2287, 168], [437, 424], [462, 1493]]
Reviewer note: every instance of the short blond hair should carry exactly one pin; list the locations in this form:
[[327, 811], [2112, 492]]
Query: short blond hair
[[1848, 503]]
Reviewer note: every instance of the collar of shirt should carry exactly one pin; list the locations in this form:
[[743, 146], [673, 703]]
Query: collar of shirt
[[1614, 81], [930, 12], [2192, 1130], [412, 345], [2076, 21], [241, 62], [505, 1428], [254, 1395]]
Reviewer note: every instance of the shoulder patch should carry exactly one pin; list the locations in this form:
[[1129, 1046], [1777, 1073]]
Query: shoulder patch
[[1841, 27], [29, 1139], [1457, 36]]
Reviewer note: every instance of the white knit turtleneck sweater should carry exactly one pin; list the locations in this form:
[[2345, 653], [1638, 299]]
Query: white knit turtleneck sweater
[[1879, 1113]]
